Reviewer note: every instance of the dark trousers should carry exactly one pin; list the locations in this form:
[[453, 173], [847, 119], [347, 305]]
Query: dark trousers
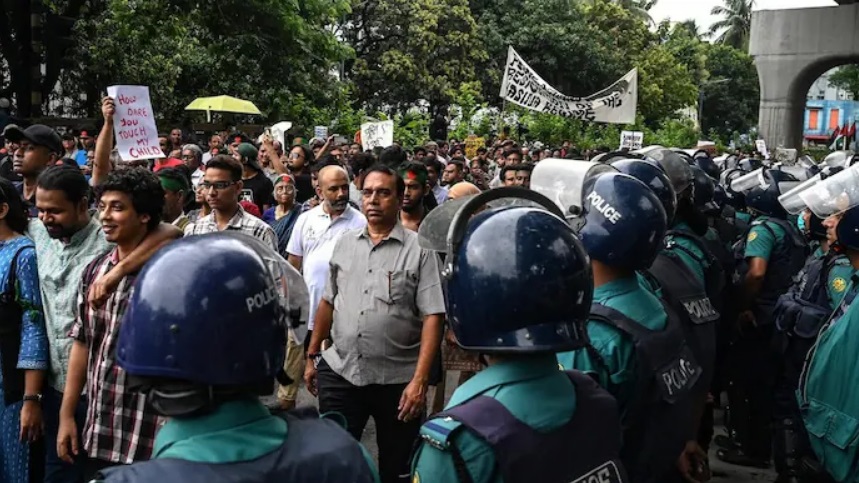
[[750, 392], [357, 404], [57, 470]]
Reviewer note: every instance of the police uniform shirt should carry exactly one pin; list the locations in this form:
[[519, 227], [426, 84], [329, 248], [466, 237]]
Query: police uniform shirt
[[838, 278], [235, 432], [743, 216], [760, 242], [617, 350], [533, 390], [694, 261]]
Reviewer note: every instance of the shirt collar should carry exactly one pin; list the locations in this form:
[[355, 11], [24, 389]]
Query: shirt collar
[[227, 416], [503, 373], [397, 233], [347, 214]]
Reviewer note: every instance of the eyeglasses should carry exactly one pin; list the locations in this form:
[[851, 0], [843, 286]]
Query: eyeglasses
[[217, 185]]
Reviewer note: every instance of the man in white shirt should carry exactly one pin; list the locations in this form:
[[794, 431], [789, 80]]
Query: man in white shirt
[[310, 249], [317, 231]]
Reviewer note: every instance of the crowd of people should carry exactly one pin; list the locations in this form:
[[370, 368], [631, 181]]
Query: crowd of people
[[145, 311]]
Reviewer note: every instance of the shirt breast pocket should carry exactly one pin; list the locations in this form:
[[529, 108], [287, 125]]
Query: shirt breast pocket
[[396, 289]]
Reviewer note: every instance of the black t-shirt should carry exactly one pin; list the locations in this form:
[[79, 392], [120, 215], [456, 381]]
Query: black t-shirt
[[259, 190], [304, 188]]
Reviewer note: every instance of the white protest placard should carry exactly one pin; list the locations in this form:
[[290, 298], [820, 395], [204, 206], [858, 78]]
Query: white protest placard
[[761, 147], [616, 104], [631, 140], [377, 134], [320, 132], [134, 123], [278, 132]]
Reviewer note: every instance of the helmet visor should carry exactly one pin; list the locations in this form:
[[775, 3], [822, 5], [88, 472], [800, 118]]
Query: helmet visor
[[748, 181], [562, 181], [791, 201], [835, 194]]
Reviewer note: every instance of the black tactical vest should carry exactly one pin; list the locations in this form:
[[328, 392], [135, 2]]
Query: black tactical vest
[[657, 424], [315, 451], [585, 449]]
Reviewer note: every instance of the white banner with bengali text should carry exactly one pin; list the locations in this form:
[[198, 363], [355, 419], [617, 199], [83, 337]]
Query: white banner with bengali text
[[615, 104], [377, 135]]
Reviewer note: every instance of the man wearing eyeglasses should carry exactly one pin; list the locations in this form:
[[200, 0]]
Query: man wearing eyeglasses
[[221, 186]]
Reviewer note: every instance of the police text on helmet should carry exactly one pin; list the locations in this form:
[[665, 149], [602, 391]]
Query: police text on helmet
[[611, 213], [261, 299]]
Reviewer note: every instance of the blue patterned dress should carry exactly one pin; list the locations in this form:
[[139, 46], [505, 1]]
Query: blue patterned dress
[[14, 455]]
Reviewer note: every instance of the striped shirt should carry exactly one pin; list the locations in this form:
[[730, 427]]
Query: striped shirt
[[120, 427], [242, 221]]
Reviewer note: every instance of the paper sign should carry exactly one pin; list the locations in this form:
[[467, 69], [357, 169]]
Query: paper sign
[[615, 104], [472, 143], [320, 132], [631, 139], [761, 147], [134, 123], [278, 132], [377, 134]]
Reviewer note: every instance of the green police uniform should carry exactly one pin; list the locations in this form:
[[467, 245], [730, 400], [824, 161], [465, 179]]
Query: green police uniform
[[533, 390], [742, 216], [691, 254], [761, 241], [636, 302], [235, 432], [838, 279]]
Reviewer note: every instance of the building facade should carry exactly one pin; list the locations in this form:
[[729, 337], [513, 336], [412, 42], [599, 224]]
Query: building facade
[[827, 108]]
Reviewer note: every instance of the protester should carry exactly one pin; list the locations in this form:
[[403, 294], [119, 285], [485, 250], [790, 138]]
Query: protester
[[434, 169], [120, 427], [42, 148], [283, 216], [416, 188], [200, 199], [176, 189], [215, 143], [23, 347], [192, 156], [454, 172], [222, 185], [383, 345]]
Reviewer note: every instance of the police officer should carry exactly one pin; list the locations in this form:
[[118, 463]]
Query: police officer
[[202, 348], [679, 270], [827, 401], [637, 349], [520, 419], [768, 257], [799, 315]]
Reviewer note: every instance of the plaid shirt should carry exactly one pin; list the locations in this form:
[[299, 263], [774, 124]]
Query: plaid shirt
[[119, 427], [241, 221]]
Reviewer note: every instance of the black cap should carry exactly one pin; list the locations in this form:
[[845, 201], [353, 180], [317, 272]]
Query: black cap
[[37, 134]]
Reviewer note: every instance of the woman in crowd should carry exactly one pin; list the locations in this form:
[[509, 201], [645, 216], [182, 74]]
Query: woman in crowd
[[23, 346], [283, 215], [204, 210]]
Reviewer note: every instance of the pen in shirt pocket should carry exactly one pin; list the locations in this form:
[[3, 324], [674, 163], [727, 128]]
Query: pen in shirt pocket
[[390, 274]]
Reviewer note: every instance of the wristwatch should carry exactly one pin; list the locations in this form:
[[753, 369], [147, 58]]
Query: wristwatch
[[315, 357], [33, 397]]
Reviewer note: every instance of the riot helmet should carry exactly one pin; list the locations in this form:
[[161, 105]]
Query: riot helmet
[[517, 277], [674, 165], [705, 191], [207, 322], [624, 221], [838, 196], [652, 175], [708, 166], [750, 164]]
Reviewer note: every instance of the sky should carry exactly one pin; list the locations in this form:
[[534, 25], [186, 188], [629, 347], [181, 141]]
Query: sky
[[699, 10]]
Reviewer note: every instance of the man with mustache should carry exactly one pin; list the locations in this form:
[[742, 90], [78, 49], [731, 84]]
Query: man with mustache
[[317, 230]]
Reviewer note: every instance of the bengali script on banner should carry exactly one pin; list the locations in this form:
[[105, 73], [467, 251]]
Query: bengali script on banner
[[615, 104]]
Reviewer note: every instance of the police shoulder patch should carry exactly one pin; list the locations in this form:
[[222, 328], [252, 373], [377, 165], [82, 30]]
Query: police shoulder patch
[[753, 235], [839, 284]]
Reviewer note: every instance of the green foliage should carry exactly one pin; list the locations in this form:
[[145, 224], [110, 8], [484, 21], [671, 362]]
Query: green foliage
[[732, 105], [736, 23], [276, 54], [847, 78], [409, 50]]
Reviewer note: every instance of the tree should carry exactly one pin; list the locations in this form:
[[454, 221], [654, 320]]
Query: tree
[[736, 23], [640, 9], [276, 54], [411, 50], [847, 78], [732, 105]]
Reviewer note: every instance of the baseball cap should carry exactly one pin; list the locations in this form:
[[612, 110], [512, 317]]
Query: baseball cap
[[249, 152], [37, 134], [85, 135]]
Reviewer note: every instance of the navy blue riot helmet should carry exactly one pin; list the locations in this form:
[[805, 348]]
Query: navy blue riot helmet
[[651, 174], [708, 166], [624, 221], [705, 191], [518, 279], [206, 319], [847, 230], [764, 200]]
